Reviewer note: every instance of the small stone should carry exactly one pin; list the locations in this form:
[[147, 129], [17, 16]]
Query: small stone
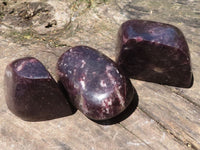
[[31, 92], [154, 52], [94, 83]]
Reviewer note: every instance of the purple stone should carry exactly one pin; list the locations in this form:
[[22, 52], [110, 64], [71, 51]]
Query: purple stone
[[31, 92], [95, 85], [154, 52]]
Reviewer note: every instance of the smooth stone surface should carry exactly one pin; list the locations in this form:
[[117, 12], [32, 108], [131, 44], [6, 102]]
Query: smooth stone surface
[[154, 52], [31, 92], [94, 83]]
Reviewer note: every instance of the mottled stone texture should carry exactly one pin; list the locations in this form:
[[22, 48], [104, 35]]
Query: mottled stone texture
[[154, 52], [31, 93], [94, 83]]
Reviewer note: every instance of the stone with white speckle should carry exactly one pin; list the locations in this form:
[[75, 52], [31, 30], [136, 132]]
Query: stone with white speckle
[[155, 52], [95, 85]]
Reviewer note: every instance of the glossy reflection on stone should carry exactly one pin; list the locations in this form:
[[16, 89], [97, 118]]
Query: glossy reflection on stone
[[31, 93], [154, 52], [94, 83]]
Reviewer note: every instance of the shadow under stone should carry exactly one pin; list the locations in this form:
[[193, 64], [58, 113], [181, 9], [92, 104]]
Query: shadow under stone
[[65, 93]]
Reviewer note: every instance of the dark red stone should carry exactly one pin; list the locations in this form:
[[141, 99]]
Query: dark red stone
[[94, 83], [154, 52], [31, 92]]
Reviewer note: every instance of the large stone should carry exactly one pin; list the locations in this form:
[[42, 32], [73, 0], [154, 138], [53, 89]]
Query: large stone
[[95, 85], [31, 92], [154, 52]]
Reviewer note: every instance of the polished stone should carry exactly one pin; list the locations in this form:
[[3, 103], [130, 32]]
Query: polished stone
[[31, 92], [154, 52], [95, 85]]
